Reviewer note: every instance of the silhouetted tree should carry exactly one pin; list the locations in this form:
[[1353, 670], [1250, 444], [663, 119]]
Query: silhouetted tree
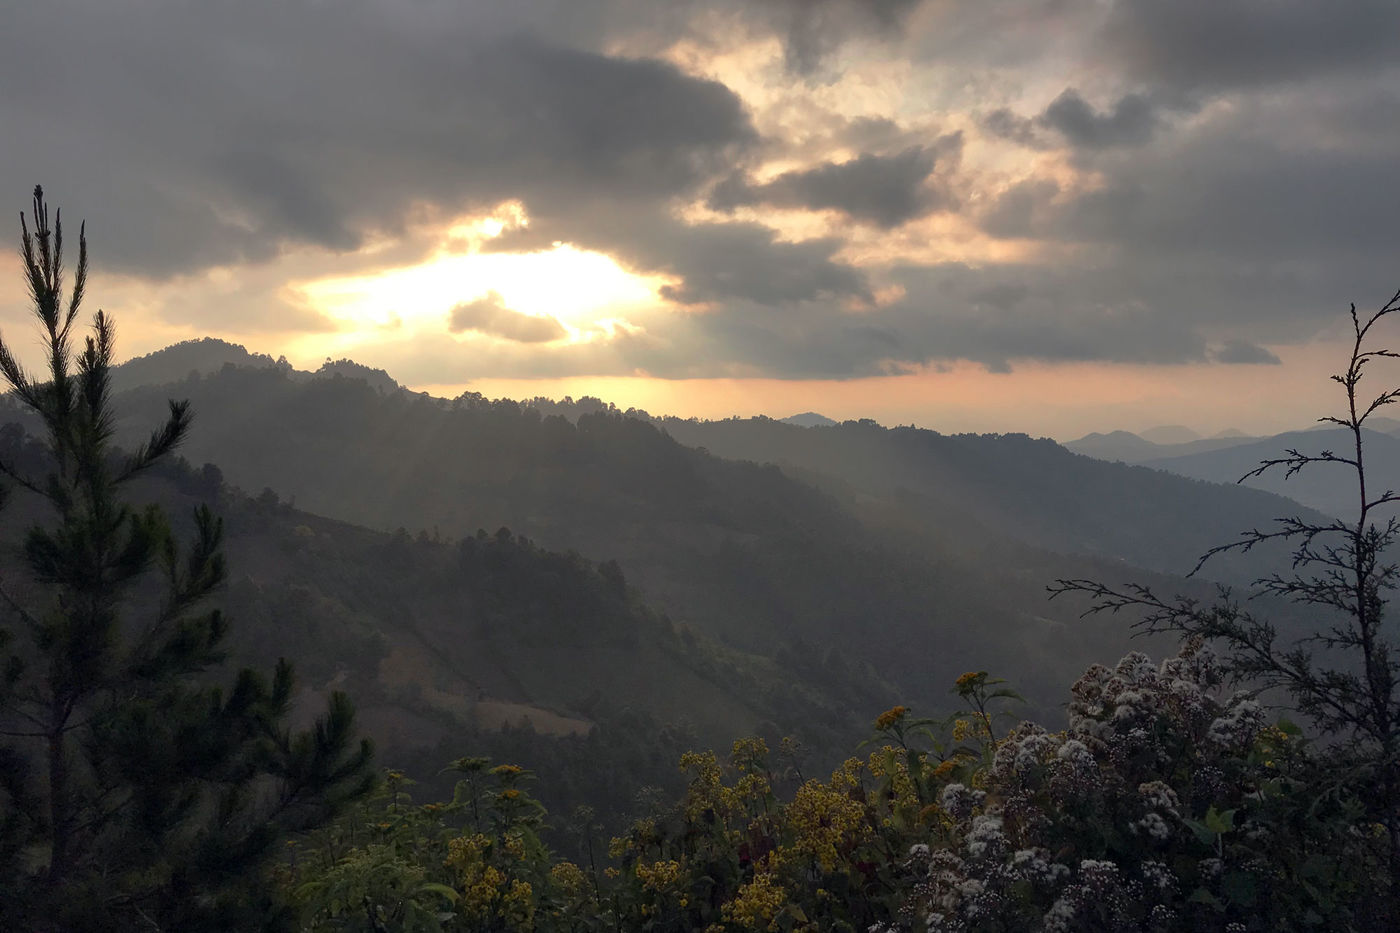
[[1343, 675], [134, 794]]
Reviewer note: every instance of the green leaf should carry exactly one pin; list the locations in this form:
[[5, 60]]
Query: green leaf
[[1220, 823], [433, 887], [1203, 832]]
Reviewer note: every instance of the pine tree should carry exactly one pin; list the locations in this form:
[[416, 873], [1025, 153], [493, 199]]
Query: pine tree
[[134, 792]]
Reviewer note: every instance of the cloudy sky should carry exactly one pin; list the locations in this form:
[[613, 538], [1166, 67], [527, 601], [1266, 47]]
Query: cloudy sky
[[1046, 215]]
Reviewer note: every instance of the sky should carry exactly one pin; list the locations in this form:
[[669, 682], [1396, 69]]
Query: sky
[[1051, 216]]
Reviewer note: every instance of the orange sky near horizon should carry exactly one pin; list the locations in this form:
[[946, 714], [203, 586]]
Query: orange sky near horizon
[[1059, 400], [1062, 401]]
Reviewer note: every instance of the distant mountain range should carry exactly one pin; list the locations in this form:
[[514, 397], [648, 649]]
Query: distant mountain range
[[788, 575], [1126, 447], [1329, 488], [1225, 459]]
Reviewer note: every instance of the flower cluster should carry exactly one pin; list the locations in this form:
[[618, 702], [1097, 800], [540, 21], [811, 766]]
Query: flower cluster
[[1156, 769], [1165, 804]]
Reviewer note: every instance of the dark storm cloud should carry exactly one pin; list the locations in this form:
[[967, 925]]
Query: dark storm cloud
[[714, 261], [718, 262], [810, 30], [489, 315], [225, 136], [1214, 44], [936, 328], [1228, 190], [886, 191], [1221, 168]]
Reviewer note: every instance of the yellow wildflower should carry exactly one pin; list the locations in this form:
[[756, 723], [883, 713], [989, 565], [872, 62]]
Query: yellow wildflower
[[824, 820], [568, 878], [752, 787], [945, 768], [890, 717], [518, 905], [749, 754], [757, 904], [657, 876]]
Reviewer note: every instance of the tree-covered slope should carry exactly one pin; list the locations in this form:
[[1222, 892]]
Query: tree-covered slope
[[1033, 490], [739, 551], [490, 630]]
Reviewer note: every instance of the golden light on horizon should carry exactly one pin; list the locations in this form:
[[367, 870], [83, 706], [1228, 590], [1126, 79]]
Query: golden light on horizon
[[1061, 400], [587, 291]]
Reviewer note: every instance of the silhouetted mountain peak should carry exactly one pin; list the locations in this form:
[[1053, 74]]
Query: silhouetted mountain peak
[[1169, 434], [177, 362], [349, 369], [808, 419]]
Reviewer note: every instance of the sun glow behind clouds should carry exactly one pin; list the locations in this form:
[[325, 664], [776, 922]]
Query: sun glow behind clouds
[[586, 291]]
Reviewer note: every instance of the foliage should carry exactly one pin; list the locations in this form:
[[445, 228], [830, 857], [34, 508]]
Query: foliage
[[1165, 805], [133, 792], [1168, 804], [1342, 675]]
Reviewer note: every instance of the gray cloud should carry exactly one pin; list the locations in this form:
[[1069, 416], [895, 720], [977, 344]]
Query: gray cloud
[[886, 191], [1242, 351], [996, 316], [816, 28], [1005, 123], [714, 261], [1131, 122], [810, 30], [1227, 190], [489, 315], [727, 261], [197, 135], [1209, 44], [224, 137]]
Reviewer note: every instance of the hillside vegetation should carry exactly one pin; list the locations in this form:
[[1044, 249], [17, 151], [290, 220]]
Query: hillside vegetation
[[739, 551]]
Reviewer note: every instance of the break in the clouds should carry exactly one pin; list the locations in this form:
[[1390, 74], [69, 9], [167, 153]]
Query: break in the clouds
[[1242, 351], [813, 188]]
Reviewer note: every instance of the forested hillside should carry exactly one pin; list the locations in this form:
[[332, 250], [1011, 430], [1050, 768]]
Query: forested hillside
[[1012, 485], [737, 550], [445, 643], [770, 600]]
